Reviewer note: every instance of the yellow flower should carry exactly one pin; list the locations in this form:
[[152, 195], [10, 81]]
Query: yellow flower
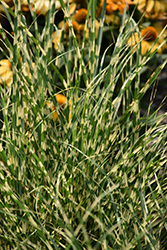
[[6, 73], [57, 3], [153, 9], [148, 37], [40, 6]]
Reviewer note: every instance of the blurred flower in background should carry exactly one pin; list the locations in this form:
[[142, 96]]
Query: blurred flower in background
[[78, 19], [161, 25], [40, 6], [6, 73], [9, 2], [56, 38], [152, 9], [147, 38], [61, 100], [111, 7]]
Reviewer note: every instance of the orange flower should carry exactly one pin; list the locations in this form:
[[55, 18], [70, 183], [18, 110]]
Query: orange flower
[[61, 99], [110, 8], [113, 5], [75, 25], [117, 5], [25, 8], [148, 37], [149, 34], [76, 4], [80, 15]]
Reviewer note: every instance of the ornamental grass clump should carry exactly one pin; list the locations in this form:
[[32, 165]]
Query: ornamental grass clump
[[98, 179]]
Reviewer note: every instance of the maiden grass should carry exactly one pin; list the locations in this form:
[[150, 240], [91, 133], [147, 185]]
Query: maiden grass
[[96, 181]]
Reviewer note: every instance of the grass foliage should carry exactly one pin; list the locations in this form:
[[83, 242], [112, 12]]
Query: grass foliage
[[97, 181]]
